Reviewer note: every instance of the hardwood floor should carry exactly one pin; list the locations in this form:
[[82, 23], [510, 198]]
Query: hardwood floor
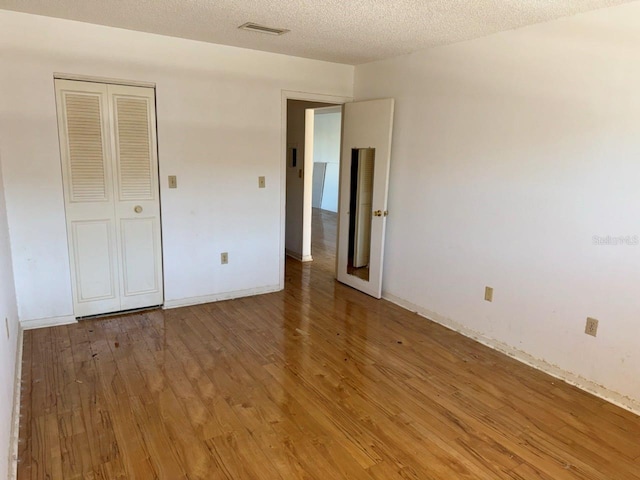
[[324, 235], [316, 382]]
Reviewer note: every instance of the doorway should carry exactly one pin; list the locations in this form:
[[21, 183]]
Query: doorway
[[110, 174], [312, 178], [366, 134]]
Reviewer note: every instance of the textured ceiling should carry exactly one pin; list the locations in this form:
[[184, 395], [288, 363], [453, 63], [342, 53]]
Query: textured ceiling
[[345, 31]]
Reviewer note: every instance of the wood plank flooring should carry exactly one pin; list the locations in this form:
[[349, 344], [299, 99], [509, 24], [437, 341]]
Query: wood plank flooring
[[316, 382]]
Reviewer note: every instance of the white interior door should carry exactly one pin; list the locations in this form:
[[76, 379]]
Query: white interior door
[[110, 174], [366, 153]]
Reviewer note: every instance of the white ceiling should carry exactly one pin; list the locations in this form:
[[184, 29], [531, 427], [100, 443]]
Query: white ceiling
[[345, 31]]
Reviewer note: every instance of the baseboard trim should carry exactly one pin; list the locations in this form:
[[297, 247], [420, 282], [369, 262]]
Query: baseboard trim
[[47, 322], [582, 383], [297, 256], [186, 302], [15, 416], [294, 255]]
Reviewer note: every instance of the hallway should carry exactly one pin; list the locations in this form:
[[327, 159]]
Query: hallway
[[317, 382], [324, 231]]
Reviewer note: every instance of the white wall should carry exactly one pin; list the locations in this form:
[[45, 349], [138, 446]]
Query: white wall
[[326, 149], [8, 344], [512, 152], [219, 128]]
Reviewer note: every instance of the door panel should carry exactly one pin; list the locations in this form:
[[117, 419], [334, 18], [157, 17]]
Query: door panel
[[367, 132], [139, 251], [94, 260], [83, 122], [138, 208], [86, 156], [134, 155]]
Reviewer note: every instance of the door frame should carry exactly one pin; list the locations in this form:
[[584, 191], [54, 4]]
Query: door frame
[[111, 81], [304, 96], [128, 83]]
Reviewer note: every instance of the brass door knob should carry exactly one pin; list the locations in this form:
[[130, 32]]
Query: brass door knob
[[137, 209], [377, 213]]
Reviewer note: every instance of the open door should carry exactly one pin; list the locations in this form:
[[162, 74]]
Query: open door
[[364, 184]]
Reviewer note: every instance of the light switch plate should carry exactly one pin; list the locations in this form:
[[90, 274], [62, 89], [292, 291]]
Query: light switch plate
[[262, 182], [488, 294], [173, 181]]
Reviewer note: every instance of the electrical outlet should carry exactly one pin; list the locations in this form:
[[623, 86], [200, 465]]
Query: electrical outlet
[[6, 323], [173, 181], [224, 258], [592, 327], [488, 294], [261, 182]]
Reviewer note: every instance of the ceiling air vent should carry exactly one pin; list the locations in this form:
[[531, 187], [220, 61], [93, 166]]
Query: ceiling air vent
[[254, 27]]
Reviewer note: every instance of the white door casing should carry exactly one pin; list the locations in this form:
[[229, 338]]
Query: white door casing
[[367, 124], [110, 177]]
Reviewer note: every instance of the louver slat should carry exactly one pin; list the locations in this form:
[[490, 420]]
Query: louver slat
[[134, 149], [86, 155]]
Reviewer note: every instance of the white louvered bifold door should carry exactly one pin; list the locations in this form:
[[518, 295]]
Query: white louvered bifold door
[[137, 192], [83, 121], [110, 176]]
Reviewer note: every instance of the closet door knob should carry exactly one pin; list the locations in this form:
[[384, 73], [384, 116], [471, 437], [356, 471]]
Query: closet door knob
[[137, 209]]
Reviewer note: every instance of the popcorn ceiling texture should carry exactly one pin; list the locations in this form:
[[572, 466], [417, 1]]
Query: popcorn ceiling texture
[[352, 31]]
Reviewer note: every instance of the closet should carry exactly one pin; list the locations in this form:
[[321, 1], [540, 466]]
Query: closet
[[111, 193]]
